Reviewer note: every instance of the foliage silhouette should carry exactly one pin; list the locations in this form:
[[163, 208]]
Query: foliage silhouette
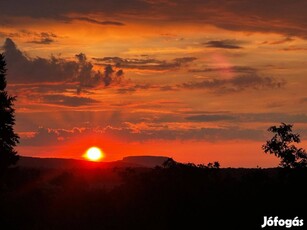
[[8, 138], [181, 197], [171, 163], [281, 146]]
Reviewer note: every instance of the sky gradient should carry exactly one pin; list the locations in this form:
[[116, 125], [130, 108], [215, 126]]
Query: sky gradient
[[199, 81]]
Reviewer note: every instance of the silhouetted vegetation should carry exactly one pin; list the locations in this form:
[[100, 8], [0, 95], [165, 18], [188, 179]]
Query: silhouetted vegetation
[[175, 196], [281, 146], [8, 138]]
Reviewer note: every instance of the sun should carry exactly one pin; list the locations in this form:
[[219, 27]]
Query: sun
[[94, 154]]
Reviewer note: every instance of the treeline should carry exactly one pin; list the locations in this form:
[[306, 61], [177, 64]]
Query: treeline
[[175, 196]]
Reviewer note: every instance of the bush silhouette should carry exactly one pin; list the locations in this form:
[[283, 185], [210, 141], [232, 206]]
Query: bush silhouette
[[281, 146], [8, 138]]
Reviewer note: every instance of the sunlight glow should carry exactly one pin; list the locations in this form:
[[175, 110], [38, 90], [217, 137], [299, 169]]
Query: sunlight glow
[[94, 154]]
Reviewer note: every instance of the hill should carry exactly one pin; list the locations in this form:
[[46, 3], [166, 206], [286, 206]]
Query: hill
[[148, 161], [62, 163], [178, 196]]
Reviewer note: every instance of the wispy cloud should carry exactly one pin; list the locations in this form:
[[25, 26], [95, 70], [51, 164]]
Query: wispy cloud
[[236, 84], [278, 42], [210, 117], [73, 101], [145, 63], [91, 20], [31, 36], [237, 69], [242, 15], [44, 38], [224, 44]]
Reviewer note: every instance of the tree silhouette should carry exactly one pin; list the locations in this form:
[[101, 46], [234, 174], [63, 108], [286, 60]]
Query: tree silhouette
[[8, 138], [281, 146]]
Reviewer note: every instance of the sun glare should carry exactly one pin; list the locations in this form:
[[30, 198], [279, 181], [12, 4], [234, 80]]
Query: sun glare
[[94, 154]]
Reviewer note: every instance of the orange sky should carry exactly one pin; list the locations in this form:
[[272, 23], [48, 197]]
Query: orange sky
[[198, 81]]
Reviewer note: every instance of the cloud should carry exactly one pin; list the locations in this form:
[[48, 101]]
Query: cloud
[[135, 87], [73, 101], [162, 127], [32, 37], [220, 86], [236, 84], [283, 16], [23, 69], [278, 42], [45, 38], [224, 44], [145, 63], [210, 118], [111, 76], [294, 48], [133, 133], [249, 117], [90, 20], [47, 136], [237, 69]]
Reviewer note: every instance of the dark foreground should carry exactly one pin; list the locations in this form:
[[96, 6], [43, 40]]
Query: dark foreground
[[176, 197]]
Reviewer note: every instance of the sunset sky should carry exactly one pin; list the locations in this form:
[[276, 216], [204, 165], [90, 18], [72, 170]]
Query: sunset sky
[[197, 80]]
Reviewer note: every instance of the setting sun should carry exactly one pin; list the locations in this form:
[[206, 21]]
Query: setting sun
[[94, 154]]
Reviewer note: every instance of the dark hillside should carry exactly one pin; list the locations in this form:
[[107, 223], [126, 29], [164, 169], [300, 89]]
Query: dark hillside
[[176, 197]]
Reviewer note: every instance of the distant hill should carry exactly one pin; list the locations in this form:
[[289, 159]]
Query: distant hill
[[148, 161], [63, 163]]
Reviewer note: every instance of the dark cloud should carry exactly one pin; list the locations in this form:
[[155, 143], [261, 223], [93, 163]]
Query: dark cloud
[[32, 37], [237, 69], [249, 117], [113, 123], [73, 101], [273, 117], [133, 88], [47, 136], [283, 16], [58, 9], [86, 76], [74, 117], [23, 69], [43, 136], [145, 63], [90, 20], [278, 42], [200, 134], [210, 118], [219, 86], [45, 41], [236, 84], [111, 76], [224, 44], [45, 38]]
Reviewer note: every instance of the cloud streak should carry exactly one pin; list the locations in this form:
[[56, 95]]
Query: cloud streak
[[44, 38], [72, 101], [224, 44], [236, 84], [236, 69], [241, 15], [90, 20], [145, 63]]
